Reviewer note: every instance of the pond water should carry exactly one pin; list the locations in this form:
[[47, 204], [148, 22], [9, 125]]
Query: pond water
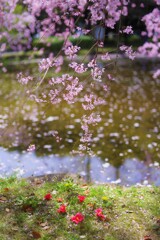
[[126, 143]]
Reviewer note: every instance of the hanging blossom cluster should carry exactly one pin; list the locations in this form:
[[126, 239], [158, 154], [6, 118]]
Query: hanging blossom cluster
[[45, 64], [71, 51], [128, 51], [24, 79], [78, 67], [50, 62], [93, 119], [127, 30], [96, 71], [90, 101], [66, 87]]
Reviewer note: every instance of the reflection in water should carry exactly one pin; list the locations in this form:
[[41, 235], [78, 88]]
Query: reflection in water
[[132, 171]]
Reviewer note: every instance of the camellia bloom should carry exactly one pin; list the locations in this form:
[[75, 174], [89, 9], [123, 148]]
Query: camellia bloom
[[99, 213], [81, 198], [48, 196], [77, 218], [62, 209]]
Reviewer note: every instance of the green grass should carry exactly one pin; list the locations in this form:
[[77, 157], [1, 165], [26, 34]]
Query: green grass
[[131, 213], [55, 44]]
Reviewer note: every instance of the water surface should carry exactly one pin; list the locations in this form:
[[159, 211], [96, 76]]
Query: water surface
[[126, 143]]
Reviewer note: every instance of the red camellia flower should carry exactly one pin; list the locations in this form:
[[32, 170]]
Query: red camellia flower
[[62, 209], [77, 218], [81, 198], [99, 213], [101, 217], [48, 196]]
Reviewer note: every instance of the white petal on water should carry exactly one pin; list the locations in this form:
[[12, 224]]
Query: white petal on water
[[136, 125], [47, 146], [121, 154], [106, 165], [134, 138], [52, 118], [156, 164], [115, 134]]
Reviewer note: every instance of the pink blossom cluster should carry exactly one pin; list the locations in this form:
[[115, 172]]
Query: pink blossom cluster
[[150, 49], [87, 137], [91, 119], [71, 51], [96, 71], [67, 88], [152, 22], [22, 79], [90, 101], [78, 67], [107, 11], [57, 63], [49, 62], [45, 64], [128, 30], [54, 96], [128, 51], [72, 90]]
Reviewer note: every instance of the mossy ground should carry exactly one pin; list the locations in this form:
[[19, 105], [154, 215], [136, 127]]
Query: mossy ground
[[131, 213]]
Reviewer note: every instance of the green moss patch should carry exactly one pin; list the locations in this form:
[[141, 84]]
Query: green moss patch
[[129, 213]]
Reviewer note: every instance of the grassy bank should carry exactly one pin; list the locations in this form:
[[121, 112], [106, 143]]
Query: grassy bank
[[54, 45], [84, 42], [35, 210]]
